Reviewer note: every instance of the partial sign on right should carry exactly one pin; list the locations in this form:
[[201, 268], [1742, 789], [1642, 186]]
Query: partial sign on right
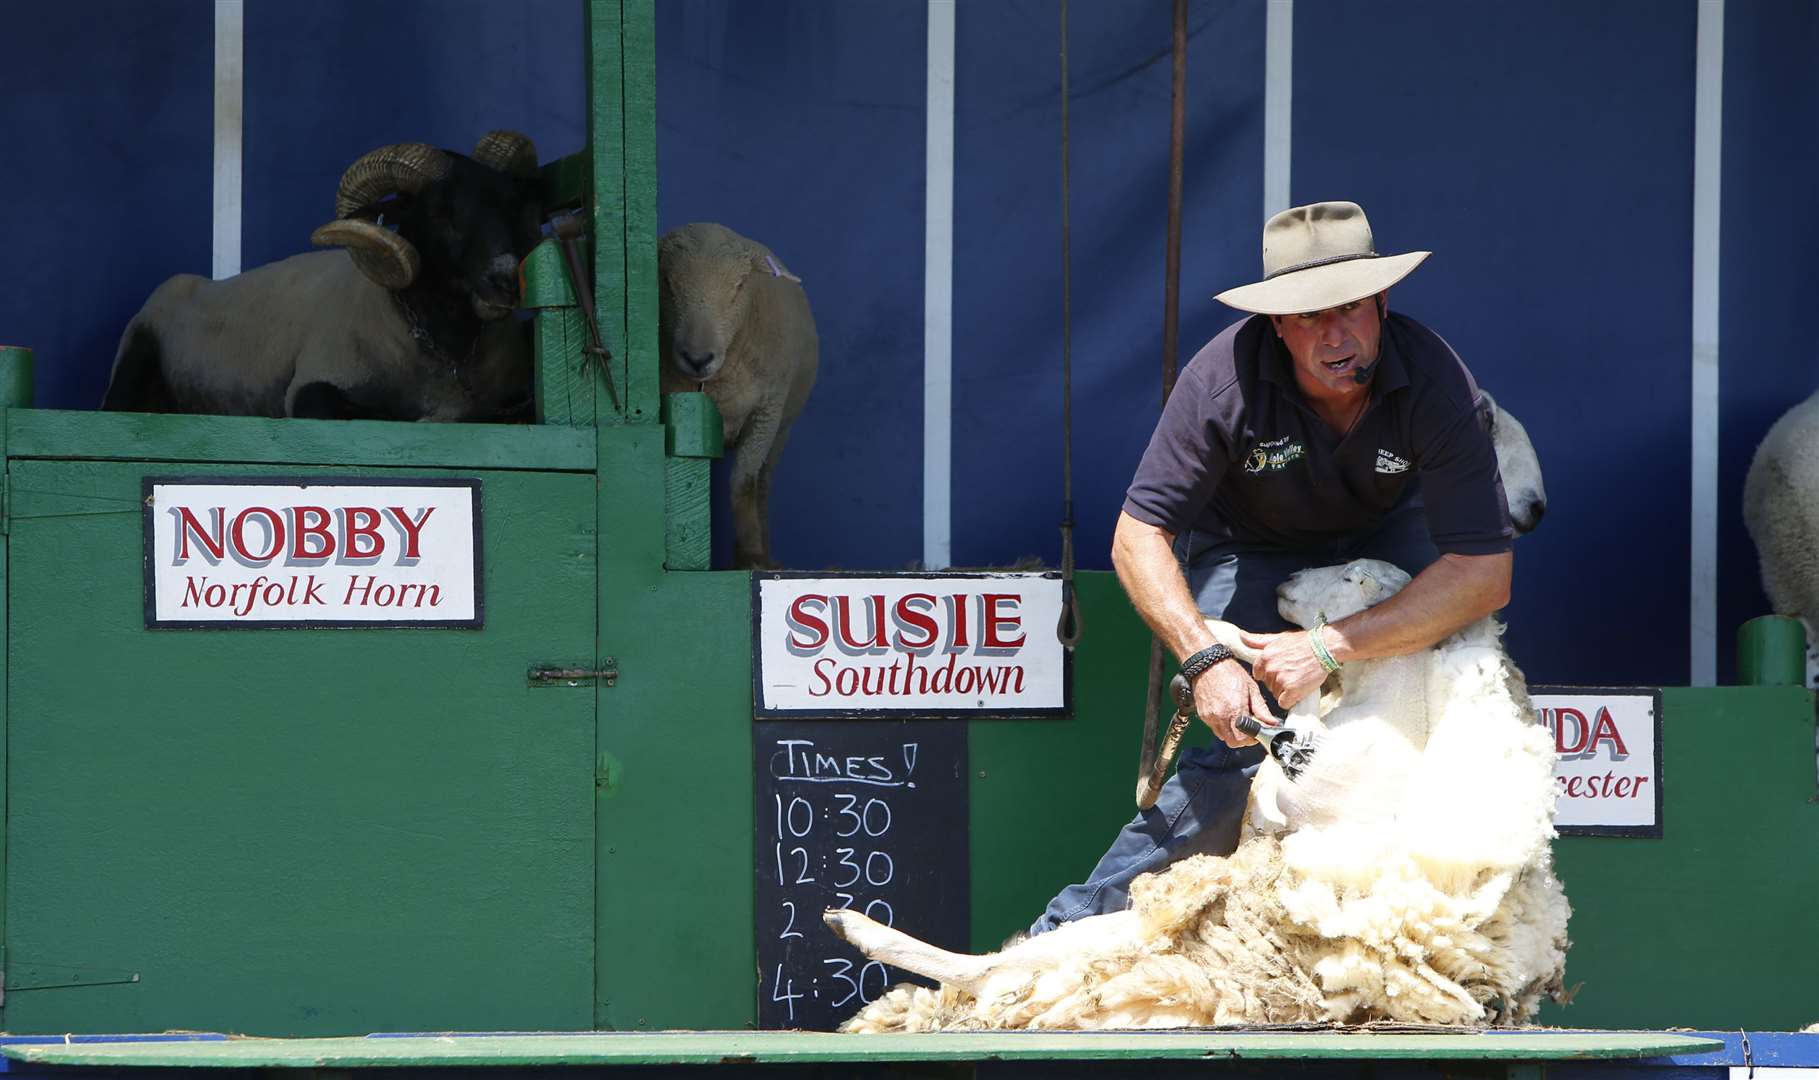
[[1609, 764]]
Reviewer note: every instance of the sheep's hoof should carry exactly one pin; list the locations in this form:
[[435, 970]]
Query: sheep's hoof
[[837, 921]]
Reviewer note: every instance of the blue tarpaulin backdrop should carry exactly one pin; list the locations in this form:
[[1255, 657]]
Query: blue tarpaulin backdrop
[[1542, 149]]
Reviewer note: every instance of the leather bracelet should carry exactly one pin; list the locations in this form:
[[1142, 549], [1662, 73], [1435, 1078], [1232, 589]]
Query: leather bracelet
[[1193, 666], [1321, 653]]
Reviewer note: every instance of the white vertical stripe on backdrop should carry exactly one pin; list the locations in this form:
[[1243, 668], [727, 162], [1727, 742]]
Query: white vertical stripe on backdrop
[[938, 294], [230, 80], [1278, 103], [1708, 152]]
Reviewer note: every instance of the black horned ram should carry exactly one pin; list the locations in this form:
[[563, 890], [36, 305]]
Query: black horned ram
[[411, 324]]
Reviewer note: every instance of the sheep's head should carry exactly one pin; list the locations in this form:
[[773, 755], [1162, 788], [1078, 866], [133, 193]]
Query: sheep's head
[[1516, 460], [462, 224], [1333, 592], [704, 272]]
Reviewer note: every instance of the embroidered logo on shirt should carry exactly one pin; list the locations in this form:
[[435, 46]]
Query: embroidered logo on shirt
[[1273, 456], [1390, 463]]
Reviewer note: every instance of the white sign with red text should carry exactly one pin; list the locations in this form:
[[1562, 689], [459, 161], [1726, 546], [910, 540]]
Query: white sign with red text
[[1608, 769], [912, 645], [262, 553]]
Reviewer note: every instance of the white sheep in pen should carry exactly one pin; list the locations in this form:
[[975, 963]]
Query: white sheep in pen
[[1407, 875], [734, 322], [1781, 511], [1517, 463]]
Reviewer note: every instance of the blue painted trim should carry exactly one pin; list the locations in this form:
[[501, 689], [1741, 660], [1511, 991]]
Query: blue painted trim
[[1780, 1049], [477, 1033], [1770, 1049], [19, 1068]]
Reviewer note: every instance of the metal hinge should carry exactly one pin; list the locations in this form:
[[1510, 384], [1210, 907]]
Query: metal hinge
[[573, 674]]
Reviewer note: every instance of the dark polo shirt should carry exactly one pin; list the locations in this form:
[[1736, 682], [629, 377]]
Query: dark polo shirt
[[1239, 455]]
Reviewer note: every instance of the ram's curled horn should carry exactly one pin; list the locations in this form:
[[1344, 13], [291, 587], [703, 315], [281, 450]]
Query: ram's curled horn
[[508, 152], [401, 168], [381, 254]]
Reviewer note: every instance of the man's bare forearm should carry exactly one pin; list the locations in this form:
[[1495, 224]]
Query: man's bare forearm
[[1451, 594], [1144, 558]]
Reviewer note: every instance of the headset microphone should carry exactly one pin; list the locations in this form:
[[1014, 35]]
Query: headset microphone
[[1363, 375]]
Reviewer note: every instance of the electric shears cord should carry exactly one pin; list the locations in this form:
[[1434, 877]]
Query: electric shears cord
[[1151, 763]]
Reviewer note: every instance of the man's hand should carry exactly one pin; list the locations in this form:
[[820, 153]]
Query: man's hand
[[1287, 665], [1224, 692]]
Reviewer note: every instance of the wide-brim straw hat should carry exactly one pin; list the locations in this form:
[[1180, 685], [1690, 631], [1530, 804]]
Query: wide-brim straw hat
[[1316, 257]]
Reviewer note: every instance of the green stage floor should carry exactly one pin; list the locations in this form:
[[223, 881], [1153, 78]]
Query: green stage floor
[[795, 1047]]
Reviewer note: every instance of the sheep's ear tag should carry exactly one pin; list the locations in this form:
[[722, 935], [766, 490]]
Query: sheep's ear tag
[[777, 271]]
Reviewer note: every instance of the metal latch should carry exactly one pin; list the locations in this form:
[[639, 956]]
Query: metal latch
[[19, 978], [554, 675]]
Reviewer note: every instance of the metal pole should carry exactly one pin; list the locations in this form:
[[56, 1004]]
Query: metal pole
[[1771, 651], [1177, 134], [1171, 350]]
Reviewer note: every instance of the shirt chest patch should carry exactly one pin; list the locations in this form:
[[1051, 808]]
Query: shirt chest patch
[[1389, 463], [1274, 456]]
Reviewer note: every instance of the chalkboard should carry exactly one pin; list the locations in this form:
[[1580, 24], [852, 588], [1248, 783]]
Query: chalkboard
[[870, 815]]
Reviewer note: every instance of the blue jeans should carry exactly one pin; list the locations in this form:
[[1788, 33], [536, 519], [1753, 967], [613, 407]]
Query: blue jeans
[[1199, 809]]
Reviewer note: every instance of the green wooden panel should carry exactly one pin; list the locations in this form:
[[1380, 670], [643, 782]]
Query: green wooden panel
[[5, 625], [565, 381], [564, 376], [606, 144], [47, 433], [640, 164], [688, 536], [695, 428], [15, 377], [675, 817], [692, 434], [298, 832], [1771, 651], [566, 181], [782, 1047], [544, 278], [1716, 924]]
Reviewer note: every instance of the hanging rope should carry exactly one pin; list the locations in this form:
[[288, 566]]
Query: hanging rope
[[1171, 348], [1070, 626]]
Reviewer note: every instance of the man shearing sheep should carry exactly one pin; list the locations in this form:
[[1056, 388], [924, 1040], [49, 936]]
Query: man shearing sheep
[[1320, 429]]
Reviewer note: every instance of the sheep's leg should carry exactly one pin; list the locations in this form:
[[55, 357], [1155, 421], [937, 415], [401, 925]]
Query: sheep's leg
[[765, 472], [1265, 811], [894, 947], [762, 509], [137, 382], [1228, 635], [751, 541]]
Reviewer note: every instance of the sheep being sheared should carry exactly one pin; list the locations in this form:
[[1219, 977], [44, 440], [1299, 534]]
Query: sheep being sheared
[[734, 322], [411, 324], [1426, 897], [1781, 511], [1375, 729]]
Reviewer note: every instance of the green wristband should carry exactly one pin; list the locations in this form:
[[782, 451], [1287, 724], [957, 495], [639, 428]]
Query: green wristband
[[1320, 650]]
